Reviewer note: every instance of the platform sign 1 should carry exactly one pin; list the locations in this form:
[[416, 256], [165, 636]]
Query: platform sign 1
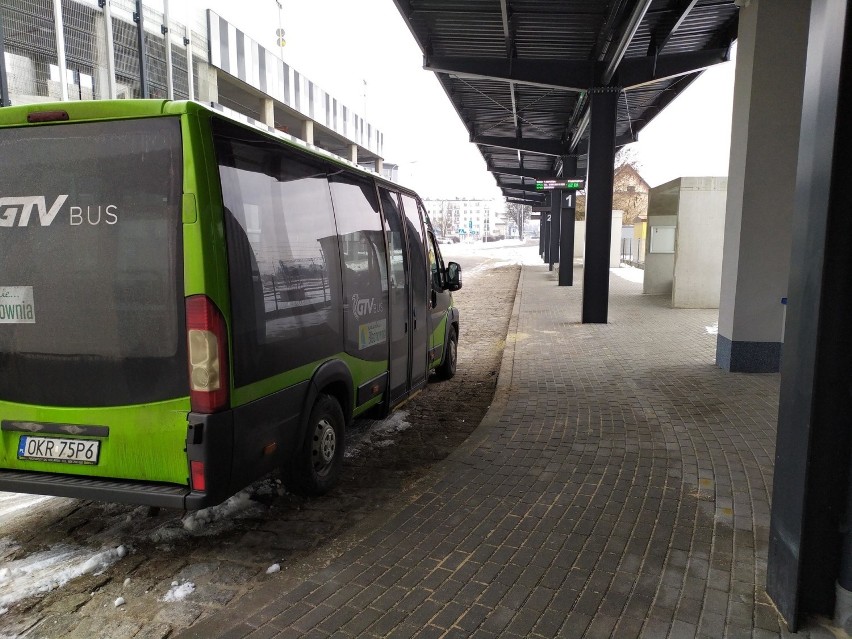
[[568, 185]]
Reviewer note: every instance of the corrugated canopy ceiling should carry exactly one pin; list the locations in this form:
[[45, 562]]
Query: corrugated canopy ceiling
[[518, 71]]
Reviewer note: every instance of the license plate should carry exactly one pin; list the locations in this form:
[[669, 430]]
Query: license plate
[[66, 451]]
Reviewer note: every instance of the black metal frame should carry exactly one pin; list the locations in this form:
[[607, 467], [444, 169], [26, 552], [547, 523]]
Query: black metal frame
[[812, 459]]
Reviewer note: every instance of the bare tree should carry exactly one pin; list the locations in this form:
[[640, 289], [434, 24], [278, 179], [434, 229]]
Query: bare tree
[[447, 218], [629, 189], [518, 214]]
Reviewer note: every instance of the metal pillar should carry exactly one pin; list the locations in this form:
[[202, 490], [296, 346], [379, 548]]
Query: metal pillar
[[569, 208], [60, 49], [812, 454], [546, 253], [555, 227], [541, 217], [566, 242], [190, 74], [4, 85], [140, 39], [170, 88], [110, 44], [599, 204]]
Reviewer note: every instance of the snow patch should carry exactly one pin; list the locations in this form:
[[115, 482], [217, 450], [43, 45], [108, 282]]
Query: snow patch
[[119, 602], [44, 571], [200, 519], [273, 569], [179, 592], [372, 433], [12, 503], [629, 273], [712, 330], [212, 521]]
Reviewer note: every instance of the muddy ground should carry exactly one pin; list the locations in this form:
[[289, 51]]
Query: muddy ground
[[226, 553]]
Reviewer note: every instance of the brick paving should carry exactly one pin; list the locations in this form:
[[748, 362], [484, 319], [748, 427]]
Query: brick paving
[[618, 487]]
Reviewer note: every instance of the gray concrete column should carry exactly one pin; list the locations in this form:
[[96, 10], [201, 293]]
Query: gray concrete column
[[353, 153], [267, 111], [208, 83], [112, 90], [768, 89], [167, 37], [379, 165], [60, 49], [308, 131], [4, 84], [190, 80]]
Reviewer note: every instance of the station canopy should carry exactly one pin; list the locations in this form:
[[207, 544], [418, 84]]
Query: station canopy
[[519, 72]]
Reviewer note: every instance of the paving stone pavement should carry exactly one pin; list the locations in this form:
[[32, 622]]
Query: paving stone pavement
[[618, 487]]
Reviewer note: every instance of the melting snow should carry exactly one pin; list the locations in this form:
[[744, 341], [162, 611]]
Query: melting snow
[[179, 592], [44, 571], [367, 433]]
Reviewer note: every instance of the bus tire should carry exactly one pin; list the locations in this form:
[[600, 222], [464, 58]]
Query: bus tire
[[447, 368], [317, 464]]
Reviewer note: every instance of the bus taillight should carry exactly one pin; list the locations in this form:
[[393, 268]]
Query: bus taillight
[[198, 480], [208, 355]]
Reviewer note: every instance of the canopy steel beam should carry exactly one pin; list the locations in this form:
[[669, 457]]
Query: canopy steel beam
[[528, 145], [660, 38], [620, 141], [633, 22], [636, 72], [520, 200], [550, 74], [535, 174], [526, 188]]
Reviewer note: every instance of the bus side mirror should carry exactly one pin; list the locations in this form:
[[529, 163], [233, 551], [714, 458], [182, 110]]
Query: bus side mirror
[[454, 279]]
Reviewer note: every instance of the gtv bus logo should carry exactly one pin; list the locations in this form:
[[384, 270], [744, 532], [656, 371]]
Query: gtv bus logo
[[365, 306], [20, 210]]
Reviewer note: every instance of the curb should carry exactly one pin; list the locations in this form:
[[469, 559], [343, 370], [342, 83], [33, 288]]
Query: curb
[[504, 382]]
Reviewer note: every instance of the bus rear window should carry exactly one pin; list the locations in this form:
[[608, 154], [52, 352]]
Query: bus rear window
[[91, 274]]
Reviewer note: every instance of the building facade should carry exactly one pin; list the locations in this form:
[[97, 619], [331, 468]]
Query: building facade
[[467, 218], [58, 50]]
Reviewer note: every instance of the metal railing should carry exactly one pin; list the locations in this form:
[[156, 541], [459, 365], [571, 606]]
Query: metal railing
[[632, 252]]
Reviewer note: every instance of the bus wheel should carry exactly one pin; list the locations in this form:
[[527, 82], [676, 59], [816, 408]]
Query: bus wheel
[[317, 465], [447, 369]]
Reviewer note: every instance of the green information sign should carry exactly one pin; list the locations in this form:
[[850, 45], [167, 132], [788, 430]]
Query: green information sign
[[568, 185]]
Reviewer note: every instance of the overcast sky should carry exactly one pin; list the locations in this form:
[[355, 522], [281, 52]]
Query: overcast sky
[[341, 44]]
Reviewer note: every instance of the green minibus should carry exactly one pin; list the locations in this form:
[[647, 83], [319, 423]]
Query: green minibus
[[190, 300]]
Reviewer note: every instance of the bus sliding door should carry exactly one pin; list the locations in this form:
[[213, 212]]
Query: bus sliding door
[[419, 280], [407, 357]]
